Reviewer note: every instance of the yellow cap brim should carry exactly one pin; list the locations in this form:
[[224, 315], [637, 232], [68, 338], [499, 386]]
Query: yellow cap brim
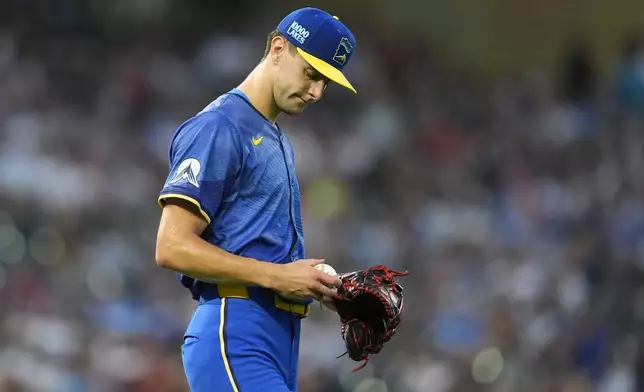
[[326, 69]]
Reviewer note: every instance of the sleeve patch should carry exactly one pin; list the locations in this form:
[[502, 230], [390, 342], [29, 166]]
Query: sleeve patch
[[188, 172]]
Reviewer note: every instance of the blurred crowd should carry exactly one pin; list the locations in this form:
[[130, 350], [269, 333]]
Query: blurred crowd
[[515, 202]]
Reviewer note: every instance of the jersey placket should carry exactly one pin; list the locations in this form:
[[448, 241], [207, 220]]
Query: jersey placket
[[291, 182]]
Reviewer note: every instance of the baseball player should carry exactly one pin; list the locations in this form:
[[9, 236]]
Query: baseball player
[[231, 223]]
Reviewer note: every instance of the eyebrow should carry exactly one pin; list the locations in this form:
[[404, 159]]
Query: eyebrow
[[317, 74]]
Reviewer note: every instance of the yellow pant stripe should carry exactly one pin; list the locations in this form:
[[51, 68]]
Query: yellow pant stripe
[[222, 341]]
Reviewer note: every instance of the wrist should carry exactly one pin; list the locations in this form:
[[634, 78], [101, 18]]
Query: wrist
[[266, 273]]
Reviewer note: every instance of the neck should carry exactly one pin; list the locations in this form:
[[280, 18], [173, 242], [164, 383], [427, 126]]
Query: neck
[[257, 87]]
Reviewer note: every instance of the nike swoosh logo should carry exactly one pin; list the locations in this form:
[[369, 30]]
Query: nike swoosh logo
[[256, 141]]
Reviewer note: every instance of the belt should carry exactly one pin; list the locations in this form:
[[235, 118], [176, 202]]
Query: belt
[[229, 290]]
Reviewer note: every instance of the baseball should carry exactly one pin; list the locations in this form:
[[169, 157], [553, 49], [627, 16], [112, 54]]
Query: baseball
[[327, 269]]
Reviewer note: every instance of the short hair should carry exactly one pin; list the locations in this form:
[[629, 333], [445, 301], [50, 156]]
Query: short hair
[[269, 39]]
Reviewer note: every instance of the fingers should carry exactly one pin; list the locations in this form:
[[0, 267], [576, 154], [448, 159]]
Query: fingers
[[333, 281], [324, 291], [329, 280], [326, 279]]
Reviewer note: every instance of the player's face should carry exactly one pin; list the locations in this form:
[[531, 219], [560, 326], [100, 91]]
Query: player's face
[[298, 84]]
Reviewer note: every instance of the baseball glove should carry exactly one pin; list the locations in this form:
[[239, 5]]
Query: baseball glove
[[370, 305]]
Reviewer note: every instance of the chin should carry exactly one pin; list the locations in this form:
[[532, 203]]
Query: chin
[[293, 110]]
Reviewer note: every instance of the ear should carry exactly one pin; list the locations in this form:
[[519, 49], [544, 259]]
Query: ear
[[279, 46]]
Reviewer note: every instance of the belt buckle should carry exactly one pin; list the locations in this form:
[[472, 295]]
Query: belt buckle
[[292, 311]]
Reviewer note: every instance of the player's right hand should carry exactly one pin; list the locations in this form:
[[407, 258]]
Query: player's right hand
[[299, 280]]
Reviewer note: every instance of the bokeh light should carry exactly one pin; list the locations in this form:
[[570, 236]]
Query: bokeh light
[[12, 244], [326, 198], [47, 246], [487, 365], [105, 282], [372, 385]]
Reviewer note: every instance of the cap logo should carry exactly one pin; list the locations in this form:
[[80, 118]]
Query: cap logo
[[298, 32], [343, 50]]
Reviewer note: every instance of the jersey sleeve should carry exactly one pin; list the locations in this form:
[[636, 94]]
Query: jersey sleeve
[[205, 159]]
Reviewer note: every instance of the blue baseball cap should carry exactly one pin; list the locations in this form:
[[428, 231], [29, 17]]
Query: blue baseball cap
[[322, 40]]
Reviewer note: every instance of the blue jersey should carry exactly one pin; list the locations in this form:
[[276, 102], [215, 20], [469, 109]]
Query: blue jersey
[[238, 169]]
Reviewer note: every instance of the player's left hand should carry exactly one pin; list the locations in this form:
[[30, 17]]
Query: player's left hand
[[370, 305]]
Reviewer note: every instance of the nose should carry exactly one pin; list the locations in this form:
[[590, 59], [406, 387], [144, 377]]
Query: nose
[[317, 89]]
